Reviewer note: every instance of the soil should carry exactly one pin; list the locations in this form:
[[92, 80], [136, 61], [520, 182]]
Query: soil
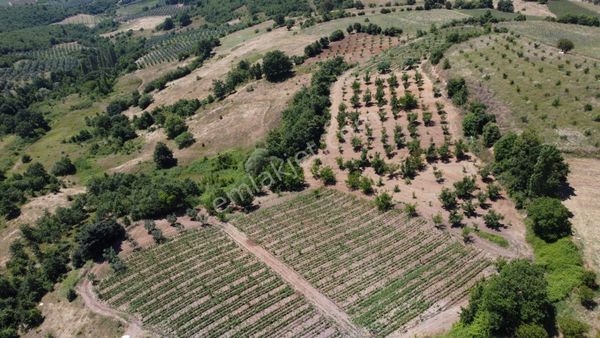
[[357, 47], [531, 8], [424, 189], [584, 203], [71, 319], [134, 326]]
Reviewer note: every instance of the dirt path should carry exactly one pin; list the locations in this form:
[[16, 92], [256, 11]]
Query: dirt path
[[87, 294], [316, 298]]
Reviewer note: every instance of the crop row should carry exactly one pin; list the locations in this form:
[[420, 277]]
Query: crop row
[[202, 284], [385, 269]]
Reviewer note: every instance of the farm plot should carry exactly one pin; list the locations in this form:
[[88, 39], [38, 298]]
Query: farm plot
[[169, 47], [384, 269], [544, 89], [397, 134], [358, 47], [203, 284], [170, 10]]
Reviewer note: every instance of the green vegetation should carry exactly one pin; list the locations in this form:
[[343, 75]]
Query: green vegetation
[[501, 305], [142, 286], [564, 7], [304, 121], [551, 93], [350, 233]]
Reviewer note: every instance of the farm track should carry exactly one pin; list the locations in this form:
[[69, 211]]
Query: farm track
[[313, 295]]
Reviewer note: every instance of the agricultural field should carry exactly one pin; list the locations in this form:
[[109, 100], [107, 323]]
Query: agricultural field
[[386, 135], [567, 7], [542, 88], [358, 47], [202, 284], [365, 260], [167, 10], [586, 39], [83, 19], [409, 21], [168, 47]]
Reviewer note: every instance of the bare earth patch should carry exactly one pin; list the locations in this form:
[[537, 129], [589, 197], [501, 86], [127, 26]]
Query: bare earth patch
[[585, 205]]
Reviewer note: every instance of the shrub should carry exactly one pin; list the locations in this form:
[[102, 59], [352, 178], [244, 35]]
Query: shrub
[[163, 156], [277, 66], [549, 218], [145, 101], [491, 134], [184, 140], [174, 125], [565, 45], [492, 220], [572, 328], [384, 201], [63, 167], [327, 176], [336, 35]]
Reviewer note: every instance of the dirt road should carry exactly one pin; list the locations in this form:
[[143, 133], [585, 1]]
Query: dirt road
[[312, 295], [87, 294]]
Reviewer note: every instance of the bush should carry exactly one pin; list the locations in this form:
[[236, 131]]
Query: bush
[[145, 101], [572, 328], [549, 218], [163, 156], [184, 140], [531, 331], [327, 176], [457, 91], [93, 238], [277, 66], [565, 45], [384, 201], [174, 125], [506, 6], [516, 296], [63, 167], [491, 134], [337, 35]]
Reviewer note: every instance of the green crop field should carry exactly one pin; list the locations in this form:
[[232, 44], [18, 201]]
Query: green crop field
[[566, 7], [384, 269], [409, 21], [586, 39], [203, 284], [552, 93]]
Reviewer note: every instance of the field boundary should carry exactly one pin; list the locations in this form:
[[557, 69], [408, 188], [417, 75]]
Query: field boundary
[[325, 305]]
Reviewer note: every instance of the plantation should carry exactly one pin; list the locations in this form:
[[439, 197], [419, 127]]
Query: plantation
[[169, 10], [202, 284], [384, 269], [552, 93], [170, 47]]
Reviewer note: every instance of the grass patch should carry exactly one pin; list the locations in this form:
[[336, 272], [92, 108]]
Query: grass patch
[[494, 238], [566, 7], [67, 118], [477, 12], [586, 39], [563, 263], [409, 21]]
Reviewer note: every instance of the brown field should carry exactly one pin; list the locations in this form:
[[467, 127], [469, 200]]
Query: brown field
[[84, 19], [357, 48], [423, 190], [585, 205]]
